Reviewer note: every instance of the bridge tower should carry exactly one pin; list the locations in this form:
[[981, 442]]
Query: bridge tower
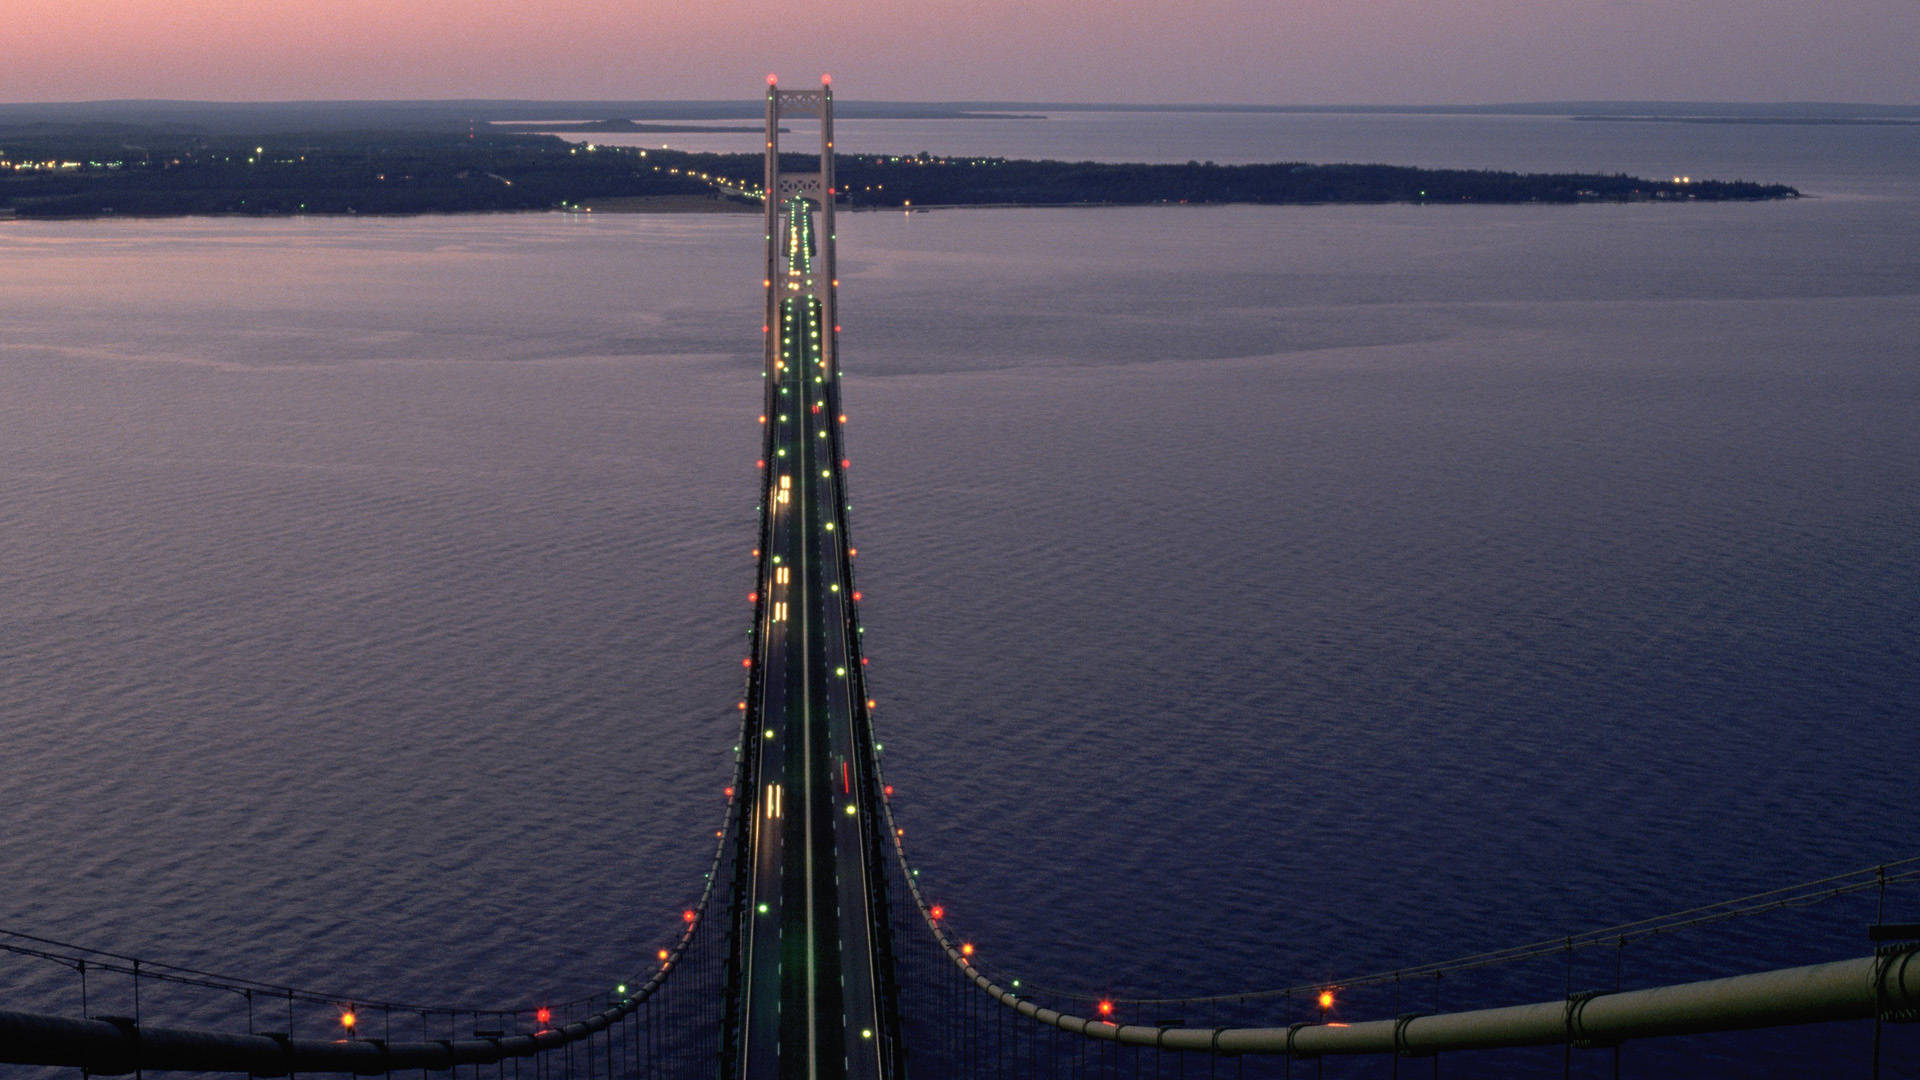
[[818, 187]]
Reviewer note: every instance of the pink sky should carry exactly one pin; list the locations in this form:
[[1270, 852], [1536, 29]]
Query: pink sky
[[1258, 51]]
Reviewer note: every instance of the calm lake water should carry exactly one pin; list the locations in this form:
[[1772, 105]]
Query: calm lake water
[[1255, 595]]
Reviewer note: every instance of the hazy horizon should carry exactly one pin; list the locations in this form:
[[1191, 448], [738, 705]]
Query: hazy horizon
[[1310, 52], [751, 102]]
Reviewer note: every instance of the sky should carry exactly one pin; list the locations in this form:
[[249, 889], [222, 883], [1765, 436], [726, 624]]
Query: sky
[[1281, 52]]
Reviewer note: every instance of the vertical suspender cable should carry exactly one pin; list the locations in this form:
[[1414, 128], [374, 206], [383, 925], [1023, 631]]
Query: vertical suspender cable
[[1879, 918]]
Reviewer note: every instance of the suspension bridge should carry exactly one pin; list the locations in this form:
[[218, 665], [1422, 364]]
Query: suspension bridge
[[813, 950]]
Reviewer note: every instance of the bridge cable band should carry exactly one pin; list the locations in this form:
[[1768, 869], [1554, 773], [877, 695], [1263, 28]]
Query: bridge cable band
[[1400, 1047], [1890, 964], [1577, 1036]]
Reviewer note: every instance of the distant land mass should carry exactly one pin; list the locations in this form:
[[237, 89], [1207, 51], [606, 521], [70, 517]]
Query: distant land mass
[[1867, 120], [287, 116], [1808, 110], [621, 127], [628, 127], [172, 159]]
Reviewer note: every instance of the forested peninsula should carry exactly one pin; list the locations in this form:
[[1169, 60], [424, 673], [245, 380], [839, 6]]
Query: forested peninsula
[[70, 169]]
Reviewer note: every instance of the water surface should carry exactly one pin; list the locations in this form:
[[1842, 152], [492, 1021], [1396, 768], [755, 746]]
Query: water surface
[[1255, 595]]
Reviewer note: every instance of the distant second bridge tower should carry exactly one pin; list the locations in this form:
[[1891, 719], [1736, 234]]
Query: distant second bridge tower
[[818, 188]]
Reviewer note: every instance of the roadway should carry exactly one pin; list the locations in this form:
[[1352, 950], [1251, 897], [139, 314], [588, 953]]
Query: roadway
[[812, 1004]]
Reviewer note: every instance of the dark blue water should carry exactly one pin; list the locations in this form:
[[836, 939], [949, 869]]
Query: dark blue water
[[1256, 595]]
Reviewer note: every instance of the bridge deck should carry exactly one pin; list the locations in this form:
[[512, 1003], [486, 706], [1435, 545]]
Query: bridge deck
[[813, 1003]]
